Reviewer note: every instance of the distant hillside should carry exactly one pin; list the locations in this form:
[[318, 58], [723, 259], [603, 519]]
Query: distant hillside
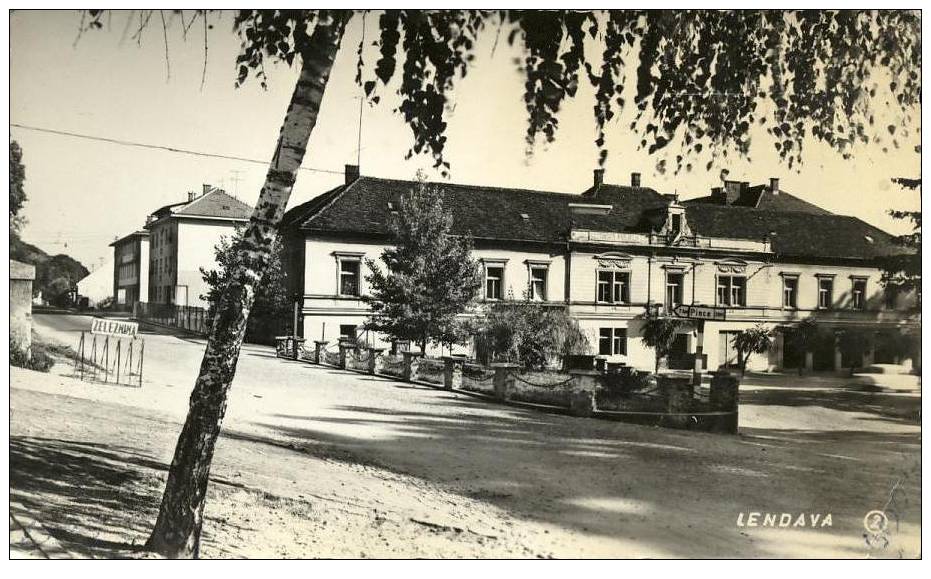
[[49, 268]]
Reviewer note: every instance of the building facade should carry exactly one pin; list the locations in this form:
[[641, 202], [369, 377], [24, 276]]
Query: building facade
[[613, 255], [130, 269], [182, 239]]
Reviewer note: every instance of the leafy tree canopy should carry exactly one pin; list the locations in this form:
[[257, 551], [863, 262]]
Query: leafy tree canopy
[[902, 272], [17, 192], [429, 275], [699, 78], [271, 311]]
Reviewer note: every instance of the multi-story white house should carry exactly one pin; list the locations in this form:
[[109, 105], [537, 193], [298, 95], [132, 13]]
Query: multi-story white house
[[611, 254], [130, 269], [182, 239]]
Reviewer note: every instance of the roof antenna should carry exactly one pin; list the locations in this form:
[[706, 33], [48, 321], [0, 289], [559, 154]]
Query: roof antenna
[[361, 100]]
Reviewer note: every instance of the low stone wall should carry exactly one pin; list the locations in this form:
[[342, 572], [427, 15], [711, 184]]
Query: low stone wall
[[393, 365], [669, 401]]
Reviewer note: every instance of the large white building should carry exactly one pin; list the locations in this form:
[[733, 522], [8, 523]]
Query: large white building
[[612, 253], [182, 239]]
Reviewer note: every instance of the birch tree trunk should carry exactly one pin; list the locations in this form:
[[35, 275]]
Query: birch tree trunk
[[178, 527]]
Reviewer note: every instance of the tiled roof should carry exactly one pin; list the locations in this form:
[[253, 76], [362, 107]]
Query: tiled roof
[[793, 233], [485, 212], [140, 233], [795, 227], [760, 197], [217, 203]]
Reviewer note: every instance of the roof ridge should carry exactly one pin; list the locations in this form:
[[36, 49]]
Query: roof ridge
[[194, 202], [470, 186]]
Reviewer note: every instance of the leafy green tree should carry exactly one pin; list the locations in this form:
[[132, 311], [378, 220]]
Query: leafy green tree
[[699, 78], [530, 333], [429, 275], [58, 291], [902, 272], [659, 333], [755, 340], [17, 191], [271, 310]]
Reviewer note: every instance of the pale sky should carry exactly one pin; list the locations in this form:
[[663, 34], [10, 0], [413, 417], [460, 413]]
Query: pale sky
[[82, 193]]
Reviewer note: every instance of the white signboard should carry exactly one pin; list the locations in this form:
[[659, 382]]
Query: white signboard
[[700, 312], [119, 328]]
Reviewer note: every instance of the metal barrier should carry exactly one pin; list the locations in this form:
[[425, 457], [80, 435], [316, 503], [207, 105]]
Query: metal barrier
[[188, 318]]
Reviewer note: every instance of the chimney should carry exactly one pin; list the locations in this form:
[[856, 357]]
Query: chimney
[[732, 191], [207, 187], [774, 185], [352, 173], [190, 196], [635, 179], [599, 177], [717, 195]]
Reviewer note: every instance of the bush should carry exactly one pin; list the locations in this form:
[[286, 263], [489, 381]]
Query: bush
[[530, 334], [39, 360]]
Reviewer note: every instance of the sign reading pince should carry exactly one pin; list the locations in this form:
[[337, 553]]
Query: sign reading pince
[[700, 313]]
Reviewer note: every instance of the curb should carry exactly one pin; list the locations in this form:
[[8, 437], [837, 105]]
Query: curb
[[28, 539]]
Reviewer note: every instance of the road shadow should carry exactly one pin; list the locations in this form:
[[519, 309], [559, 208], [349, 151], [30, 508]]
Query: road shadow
[[669, 485], [894, 408], [97, 500]]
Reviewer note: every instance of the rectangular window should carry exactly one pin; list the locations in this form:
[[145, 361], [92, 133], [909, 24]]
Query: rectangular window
[[790, 292], [858, 294], [674, 285], [825, 292], [614, 287], [612, 341], [676, 223], [349, 277], [494, 280], [890, 297], [732, 290], [538, 283], [347, 331]]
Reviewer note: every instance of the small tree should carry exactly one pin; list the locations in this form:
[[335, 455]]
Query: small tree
[[271, 311], [429, 276], [902, 272], [659, 333], [755, 340], [17, 192], [531, 334], [854, 343]]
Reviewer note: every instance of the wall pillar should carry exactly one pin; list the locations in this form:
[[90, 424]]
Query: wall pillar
[[344, 347], [678, 392], [582, 396], [319, 347], [411, 365], [504, 379], [375, 361], [452, 372], [809, 361], [725, 397]]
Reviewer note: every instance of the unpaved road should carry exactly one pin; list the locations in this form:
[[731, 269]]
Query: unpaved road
[[318, 462]]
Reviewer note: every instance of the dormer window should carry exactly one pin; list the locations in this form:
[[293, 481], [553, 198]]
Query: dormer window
[[676, 223]]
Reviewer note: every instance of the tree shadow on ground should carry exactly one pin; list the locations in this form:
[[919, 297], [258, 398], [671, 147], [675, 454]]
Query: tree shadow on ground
[[97, 500], [894, 408], [666, 484]]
